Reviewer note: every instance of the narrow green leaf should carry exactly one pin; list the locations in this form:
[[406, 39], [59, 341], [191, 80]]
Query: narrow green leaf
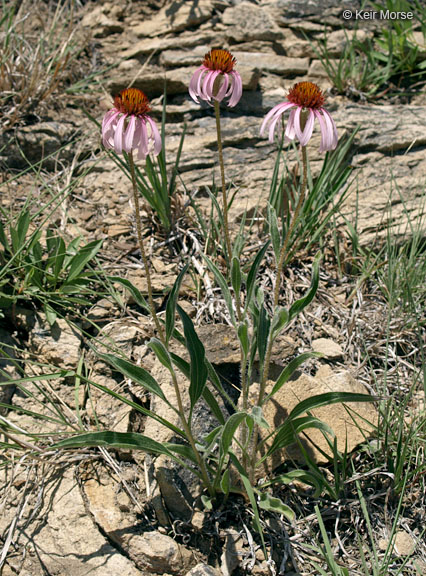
[[258, 417], [115, 440], [183, 450], [280, 319], [162, 353], [305, 476], [175, 170], [22, 229], [50, 314], [58, 258], [225, 482], [213, 405], [236, 275], [136, 294], [274, 231], [263, 334], [272, 504], [197, 354], [171, 303], [300, 304], [327, 399], [207, 502], [185, 368], [243, 337], [83, 256], [229, 431], [135, 373], [289, 370], [287, 432], [251, 277]]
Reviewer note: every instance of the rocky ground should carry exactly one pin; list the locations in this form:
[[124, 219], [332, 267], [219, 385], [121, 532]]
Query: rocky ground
[[102, 513]]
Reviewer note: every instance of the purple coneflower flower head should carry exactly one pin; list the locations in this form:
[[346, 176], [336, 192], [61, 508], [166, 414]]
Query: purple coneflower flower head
[[128, 127], [307, 97], [216, 79]]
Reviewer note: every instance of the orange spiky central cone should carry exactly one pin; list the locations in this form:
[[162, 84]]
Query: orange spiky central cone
[[306, 95], [221, 60], [132, 101]]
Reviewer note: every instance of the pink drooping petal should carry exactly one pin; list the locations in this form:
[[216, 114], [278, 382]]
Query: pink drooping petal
[[108, 136], [273, 125], [129, 135], [202, 83], [155, 135], [209, 84], [290, 133], [109, 119], [223, 88], [137, 135], [201, 79], [194, 87], [309, 128], [108, 127], [305, 135], [237, 89], [331, 131], [324, 130], [275, 111], [143, 142], [118, 136]]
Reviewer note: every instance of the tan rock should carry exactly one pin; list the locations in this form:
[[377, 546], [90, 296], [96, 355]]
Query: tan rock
[[203, 570], [61, 537], [272, 63], [348, 434], [256, 24], [317, 70], [327, 347], [58, 344], [151, 551], [103, 21], [175, 17], [404, 543], [184, 40]]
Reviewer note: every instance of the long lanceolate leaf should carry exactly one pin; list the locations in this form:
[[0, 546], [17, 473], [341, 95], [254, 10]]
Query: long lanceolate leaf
[[135, 292], [300, 304], [251, 277], [136, 373], [83, 256], [198, 376], [117, 440], [229, 430], [171, 304], [288, 371], [208, 396], [286, 433], [329, 398]]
